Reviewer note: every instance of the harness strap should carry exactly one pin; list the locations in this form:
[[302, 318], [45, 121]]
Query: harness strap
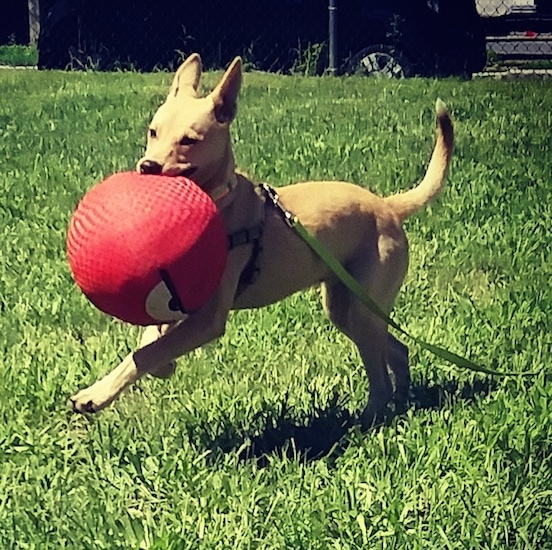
[[251, 270], [251, 235], [245, 236]]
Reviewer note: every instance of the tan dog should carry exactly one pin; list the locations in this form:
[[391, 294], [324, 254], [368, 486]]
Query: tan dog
[[190, 135]]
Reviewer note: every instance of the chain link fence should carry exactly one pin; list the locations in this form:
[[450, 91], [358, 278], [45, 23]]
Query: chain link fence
[[518, 34], [384, 37]]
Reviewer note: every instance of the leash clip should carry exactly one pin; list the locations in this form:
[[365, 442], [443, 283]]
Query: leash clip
[[289, 218]]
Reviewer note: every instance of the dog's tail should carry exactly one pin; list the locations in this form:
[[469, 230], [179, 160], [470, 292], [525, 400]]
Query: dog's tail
[[411, 201]]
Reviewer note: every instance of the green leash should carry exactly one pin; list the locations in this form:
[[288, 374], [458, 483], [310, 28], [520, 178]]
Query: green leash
[[358, 290]]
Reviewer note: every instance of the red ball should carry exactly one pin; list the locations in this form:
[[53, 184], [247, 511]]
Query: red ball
[[147, 249]]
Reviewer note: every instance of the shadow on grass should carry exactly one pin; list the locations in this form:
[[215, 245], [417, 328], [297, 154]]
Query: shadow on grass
[[325, 434]]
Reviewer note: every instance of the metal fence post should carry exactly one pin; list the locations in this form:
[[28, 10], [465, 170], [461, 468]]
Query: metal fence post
[[34, 21], [332, 37]]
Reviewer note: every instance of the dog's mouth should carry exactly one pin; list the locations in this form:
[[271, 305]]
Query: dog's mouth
[[184, 170], [151, 167]]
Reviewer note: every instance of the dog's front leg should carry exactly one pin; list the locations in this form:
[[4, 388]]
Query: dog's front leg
[[196, 330], [149, 335], [199, 328]]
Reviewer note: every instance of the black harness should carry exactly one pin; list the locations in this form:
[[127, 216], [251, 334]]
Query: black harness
[[245, 236], [254, 236]]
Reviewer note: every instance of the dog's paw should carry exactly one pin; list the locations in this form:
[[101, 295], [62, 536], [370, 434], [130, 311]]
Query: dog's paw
[[79, 406], [377, 412], [89, 400]]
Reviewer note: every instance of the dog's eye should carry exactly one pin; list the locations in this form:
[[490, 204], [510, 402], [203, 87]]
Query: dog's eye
[[186, 140], [152, 133]]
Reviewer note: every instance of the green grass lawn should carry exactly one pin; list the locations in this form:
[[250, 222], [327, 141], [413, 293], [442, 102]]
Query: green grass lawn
[[250, 444]]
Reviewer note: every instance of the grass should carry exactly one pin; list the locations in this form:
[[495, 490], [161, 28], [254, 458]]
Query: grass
[[18, 55], [249, 445]]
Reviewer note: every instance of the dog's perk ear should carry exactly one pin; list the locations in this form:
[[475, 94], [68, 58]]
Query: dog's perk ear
[[187, 77], [225, 95]]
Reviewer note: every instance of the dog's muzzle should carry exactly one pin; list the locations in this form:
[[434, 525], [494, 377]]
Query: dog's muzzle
[[150, 167]]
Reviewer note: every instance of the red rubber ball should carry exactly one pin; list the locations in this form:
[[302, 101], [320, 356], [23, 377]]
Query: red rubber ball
[[147, 249]]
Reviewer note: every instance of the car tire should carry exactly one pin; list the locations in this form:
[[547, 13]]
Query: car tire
[[378, 60]]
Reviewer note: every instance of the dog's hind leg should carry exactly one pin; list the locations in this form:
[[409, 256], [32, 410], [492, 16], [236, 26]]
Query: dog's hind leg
[[381, 353], [370, 336]]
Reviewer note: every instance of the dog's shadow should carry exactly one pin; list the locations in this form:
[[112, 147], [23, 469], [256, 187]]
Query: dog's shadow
[[325, 433]]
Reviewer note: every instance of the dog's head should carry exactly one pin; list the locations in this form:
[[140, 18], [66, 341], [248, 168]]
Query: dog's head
[[189, 135]]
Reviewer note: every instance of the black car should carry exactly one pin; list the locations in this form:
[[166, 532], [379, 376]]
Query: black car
[[415, 37]]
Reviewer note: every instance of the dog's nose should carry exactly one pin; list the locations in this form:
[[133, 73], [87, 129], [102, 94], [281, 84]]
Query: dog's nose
[[150, 167]]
